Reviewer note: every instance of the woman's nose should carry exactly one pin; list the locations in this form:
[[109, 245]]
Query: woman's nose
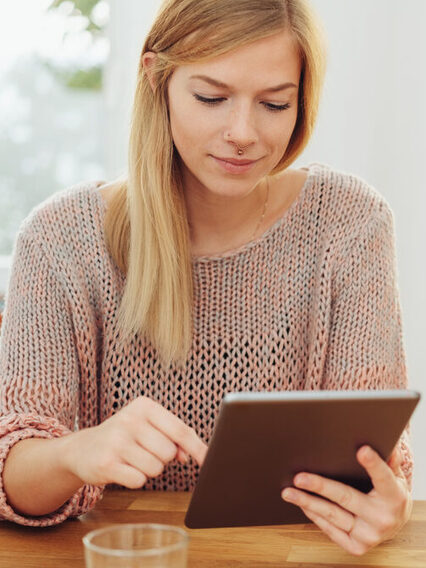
[[241, 128]]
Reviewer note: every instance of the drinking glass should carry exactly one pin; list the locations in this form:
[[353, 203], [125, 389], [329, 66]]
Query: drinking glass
[[145, 545]]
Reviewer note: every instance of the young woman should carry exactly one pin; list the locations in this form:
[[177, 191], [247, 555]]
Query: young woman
[[135, 305]]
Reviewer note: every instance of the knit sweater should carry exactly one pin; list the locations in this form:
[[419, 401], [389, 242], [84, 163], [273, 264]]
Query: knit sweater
[[313, 303]]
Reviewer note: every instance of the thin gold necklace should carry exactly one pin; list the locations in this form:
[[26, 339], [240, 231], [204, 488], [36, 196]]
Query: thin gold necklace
[[258, 225], [264, 209]]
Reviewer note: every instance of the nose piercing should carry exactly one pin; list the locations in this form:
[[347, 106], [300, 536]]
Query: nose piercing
[[241, 149]]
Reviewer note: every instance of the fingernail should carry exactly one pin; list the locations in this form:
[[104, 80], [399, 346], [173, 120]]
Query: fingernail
[[287, 494], [300, 479], [367, 452], [183, 457]]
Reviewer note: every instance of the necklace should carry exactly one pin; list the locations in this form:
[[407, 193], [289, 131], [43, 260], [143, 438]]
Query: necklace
[[264, 209], [258, 224]]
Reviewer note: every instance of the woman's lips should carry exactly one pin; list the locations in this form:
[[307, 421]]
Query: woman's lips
[[233, 165]]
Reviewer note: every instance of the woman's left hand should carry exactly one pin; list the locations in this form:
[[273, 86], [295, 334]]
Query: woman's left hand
[[354, 520]]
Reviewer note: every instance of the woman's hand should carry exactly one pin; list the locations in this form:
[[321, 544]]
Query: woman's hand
[[355, 521], [131, 446]]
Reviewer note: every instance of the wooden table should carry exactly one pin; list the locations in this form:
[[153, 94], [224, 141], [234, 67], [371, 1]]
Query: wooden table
[[255, 547]]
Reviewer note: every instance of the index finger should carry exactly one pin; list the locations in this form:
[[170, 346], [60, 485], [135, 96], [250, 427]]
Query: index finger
[[175, 429], [382, 476]]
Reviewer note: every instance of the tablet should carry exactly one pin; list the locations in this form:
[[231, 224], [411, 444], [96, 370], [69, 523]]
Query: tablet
[[261, 440]]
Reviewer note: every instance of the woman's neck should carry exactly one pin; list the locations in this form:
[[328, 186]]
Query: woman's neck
[[219, 223], [217, 229]]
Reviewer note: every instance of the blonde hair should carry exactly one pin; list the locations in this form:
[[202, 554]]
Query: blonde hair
[[146, 223]]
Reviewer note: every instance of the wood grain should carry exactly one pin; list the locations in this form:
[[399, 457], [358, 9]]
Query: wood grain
[[298, 546]]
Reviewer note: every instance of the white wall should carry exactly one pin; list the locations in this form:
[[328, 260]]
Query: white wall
[[372, 123]]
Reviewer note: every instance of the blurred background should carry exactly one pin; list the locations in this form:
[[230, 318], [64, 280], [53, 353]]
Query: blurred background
[[67, 75]]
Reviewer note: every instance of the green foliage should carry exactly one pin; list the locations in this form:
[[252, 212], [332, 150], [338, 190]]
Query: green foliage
[[84, 7], [91, 78]]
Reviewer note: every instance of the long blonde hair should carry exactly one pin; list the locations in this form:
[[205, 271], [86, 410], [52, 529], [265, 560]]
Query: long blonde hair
[[146, 224]]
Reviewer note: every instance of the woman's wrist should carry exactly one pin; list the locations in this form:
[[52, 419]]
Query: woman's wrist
[[66, 448]]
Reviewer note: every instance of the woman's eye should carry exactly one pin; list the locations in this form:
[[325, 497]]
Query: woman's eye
[[209, 101], [216, 100], [277, 108]]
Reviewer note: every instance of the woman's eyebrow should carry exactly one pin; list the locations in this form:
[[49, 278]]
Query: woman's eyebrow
[[217, 83]]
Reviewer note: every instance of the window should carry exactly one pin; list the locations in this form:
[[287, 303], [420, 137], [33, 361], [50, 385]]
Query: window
[[53, 54]]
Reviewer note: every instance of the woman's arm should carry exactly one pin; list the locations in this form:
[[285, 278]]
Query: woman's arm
[[127, 448], [365, 351], [366, 348], [29, 465], [39, 388]]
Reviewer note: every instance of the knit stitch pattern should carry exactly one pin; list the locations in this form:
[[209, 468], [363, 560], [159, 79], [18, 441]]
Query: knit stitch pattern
[[311, 304]]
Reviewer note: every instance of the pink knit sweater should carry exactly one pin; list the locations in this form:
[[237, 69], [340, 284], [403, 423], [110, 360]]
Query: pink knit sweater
[[311, 304]]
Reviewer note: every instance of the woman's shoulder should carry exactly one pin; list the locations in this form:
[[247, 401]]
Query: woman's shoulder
[[69, 208], [348, 200], [346, 208], [345, 186]]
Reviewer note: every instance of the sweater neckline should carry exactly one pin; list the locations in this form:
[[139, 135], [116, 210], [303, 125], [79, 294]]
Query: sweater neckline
[[288, 213]]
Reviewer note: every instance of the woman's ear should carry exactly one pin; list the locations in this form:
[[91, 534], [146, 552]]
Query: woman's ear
[[148, 60]]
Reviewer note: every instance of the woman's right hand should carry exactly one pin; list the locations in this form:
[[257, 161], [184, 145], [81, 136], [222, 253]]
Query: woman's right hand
[[131, 446]]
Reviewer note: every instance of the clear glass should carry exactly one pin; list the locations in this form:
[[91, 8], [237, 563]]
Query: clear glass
[[144, 545]]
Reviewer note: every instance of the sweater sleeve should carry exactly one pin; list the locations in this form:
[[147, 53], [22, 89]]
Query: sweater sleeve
[[366, 348], [39, 370]]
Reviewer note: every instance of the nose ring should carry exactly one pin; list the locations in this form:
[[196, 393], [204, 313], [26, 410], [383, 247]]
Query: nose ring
[[241, 148]]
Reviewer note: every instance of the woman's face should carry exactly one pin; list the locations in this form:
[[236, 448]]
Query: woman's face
[[246, 97]]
